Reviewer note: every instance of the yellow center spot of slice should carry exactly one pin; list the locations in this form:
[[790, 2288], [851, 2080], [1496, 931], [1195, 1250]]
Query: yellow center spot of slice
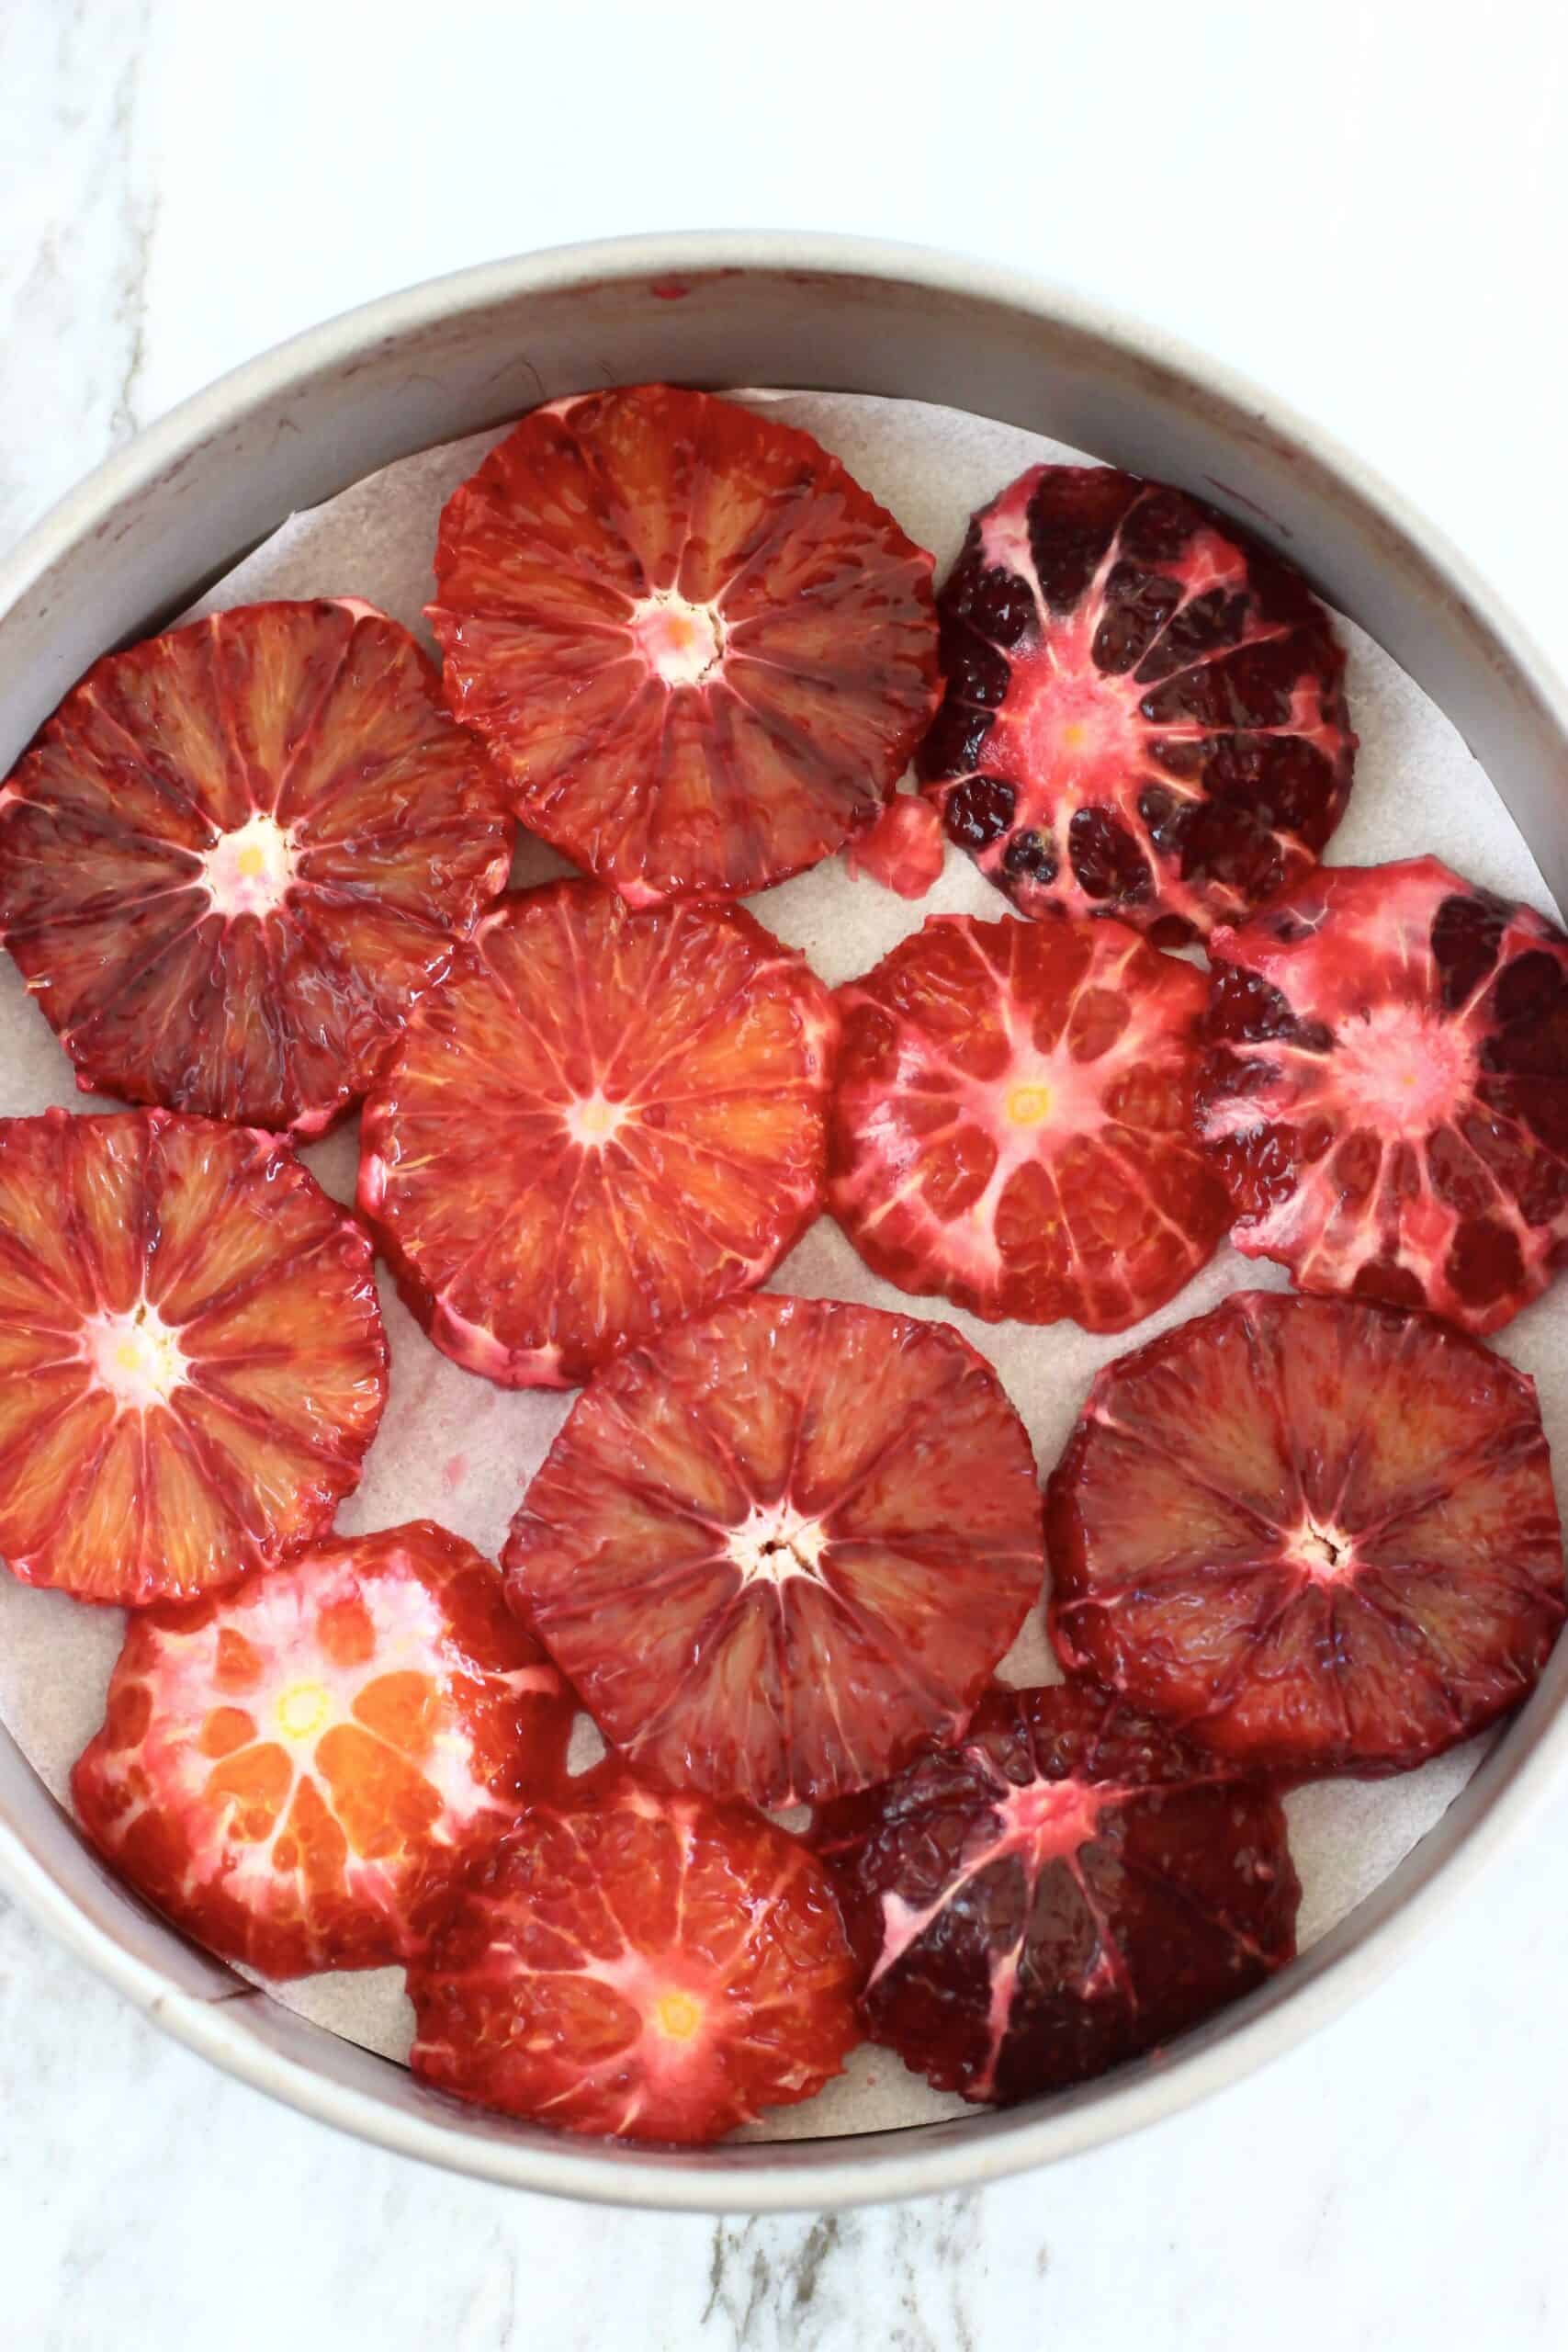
[[677, 2015], [1074, 735], [251, 862], [302, 1709], [1027, 1106], [596, 1118]]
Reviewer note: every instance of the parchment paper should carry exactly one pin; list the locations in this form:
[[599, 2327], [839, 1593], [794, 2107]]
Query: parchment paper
[[454, 1449]]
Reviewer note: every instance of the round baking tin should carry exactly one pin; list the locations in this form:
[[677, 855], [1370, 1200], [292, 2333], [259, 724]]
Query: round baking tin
[[174, 510]]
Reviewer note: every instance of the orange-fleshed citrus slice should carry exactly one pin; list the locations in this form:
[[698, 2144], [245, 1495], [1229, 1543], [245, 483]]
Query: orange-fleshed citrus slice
[[300, 1771], [777, 1548], [237, 854], [639, 1963], [600, 1122], [1011, 1125], [1144, 713], [1385, 1091], [1315, 1535], [1070, 1886], [192, 1365], [700, 652]]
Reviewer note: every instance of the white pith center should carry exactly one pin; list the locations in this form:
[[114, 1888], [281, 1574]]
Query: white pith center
[[1076, 720], [592, 1119], [135, 1356], [1049, 1820], [1324, 1552], [1401, 1069], [774, 1543], [679, 641], [249, 870]]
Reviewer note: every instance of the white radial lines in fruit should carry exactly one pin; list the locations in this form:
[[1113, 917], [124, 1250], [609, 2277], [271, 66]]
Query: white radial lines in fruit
[[775, 1549], [238, 853], [1143, 714], [603, 1121], [1039, 1823], [135, 1355], [1383, 1090], [1042, 1822]]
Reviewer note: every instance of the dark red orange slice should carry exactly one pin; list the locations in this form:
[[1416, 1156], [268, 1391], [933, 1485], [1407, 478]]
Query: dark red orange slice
[[1315, 1535], [776, 1548], [1068, 1887], [1144, 714], [237, 854], [702, 654]]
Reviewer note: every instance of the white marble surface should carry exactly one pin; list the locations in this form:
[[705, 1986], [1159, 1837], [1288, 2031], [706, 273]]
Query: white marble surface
[[1365, 214]]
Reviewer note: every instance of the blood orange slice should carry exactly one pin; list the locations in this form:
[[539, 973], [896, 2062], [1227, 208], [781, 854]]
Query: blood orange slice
[[904, 850], [192, 1363], [700, 652], [1318, 1536], [602, 1122], [238, 853], [641, 1963], [1012, 1121], [1070, 1887], [1386, 1091], [777, 1548], [301, 1772], [1144, 714]]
